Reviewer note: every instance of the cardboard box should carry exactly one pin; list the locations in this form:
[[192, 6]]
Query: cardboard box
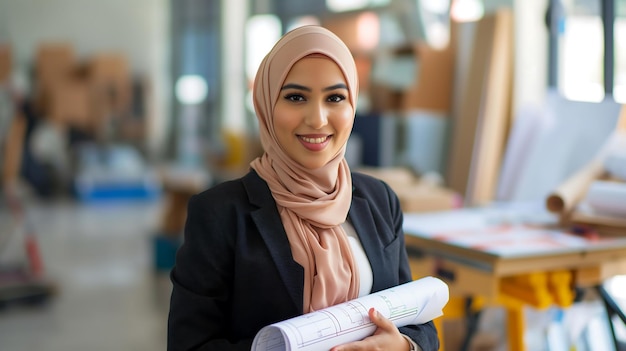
[[6, 62], [395, 177], [383, 98], [110, 80], [415, 195], [70, 104], [358, 30], [423, 197], [433, 85], [54, 63], [415, 77]]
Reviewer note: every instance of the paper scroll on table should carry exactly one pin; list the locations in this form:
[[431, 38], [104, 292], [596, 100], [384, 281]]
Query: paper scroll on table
[[596, 194]]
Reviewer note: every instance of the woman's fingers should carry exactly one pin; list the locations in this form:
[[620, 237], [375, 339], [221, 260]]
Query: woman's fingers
[[386, 336]]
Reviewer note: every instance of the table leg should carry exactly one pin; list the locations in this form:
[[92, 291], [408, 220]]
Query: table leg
[[612, 308], [515, 328]]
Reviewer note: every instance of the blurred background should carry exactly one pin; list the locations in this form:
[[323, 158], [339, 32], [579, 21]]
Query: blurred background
[[113, 113]]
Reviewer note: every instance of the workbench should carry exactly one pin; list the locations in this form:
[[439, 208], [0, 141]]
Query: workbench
[[494, 257]]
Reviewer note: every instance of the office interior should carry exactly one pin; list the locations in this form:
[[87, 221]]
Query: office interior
[[113, 113]]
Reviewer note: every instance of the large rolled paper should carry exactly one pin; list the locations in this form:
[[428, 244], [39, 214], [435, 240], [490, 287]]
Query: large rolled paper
[[415, 302]]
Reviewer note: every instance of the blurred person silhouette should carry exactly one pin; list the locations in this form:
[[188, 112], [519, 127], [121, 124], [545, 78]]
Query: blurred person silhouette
[[300, 231], [18, 121], [43, 147]]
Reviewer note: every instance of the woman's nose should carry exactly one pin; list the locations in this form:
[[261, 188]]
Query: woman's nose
[[317, 116]]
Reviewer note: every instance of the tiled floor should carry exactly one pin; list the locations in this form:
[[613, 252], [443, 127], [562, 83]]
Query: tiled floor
[[109, 297]]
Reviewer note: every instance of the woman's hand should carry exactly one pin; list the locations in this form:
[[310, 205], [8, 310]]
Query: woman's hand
[[386, 337]]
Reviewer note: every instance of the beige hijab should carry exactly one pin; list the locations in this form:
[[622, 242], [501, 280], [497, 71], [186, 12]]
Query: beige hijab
[[312, 203]]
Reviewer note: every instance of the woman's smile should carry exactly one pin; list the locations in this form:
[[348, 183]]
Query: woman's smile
[[314, 143]]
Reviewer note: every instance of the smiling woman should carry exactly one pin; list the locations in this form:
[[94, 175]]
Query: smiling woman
[[300, 232]]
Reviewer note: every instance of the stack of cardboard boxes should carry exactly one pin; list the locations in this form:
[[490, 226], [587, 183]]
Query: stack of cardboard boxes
[[86, 94]]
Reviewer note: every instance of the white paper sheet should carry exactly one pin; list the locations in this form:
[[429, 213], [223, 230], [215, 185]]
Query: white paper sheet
[[607, 197], [414, 302]]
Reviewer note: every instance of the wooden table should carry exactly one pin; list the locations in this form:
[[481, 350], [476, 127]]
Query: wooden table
[[508, 262]]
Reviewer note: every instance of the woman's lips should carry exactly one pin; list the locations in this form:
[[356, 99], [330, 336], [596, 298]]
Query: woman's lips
[[314, 143]]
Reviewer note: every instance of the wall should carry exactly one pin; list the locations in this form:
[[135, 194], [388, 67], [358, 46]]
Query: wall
[[141, 31]]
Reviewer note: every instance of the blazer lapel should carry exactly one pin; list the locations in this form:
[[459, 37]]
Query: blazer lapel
[[271, 228]]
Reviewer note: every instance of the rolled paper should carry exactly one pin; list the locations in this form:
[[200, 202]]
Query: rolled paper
[[567, 195], [415, 302]]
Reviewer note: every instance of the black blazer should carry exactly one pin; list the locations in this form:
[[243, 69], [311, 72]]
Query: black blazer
[[235, 273]]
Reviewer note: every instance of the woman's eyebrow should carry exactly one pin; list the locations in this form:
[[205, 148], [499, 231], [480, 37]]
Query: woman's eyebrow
[[295, 86], [302, 87], [336, 86]]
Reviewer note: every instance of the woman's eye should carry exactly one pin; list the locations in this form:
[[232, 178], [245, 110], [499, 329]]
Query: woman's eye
[[294, 97], [336, 98]]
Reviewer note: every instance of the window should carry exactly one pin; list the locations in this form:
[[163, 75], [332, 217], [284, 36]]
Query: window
[[581, 51], [350, 5], [619, 87], [262, 31], [588, 59]]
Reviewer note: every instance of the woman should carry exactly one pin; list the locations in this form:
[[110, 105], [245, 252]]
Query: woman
[[299, 232]]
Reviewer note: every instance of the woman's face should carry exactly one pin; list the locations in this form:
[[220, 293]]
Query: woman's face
[[313, 116]]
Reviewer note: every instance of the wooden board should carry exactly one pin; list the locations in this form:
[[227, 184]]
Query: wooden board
[[480, 128]]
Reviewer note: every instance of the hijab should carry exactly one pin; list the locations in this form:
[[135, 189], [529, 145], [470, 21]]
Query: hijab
[[313, 203]]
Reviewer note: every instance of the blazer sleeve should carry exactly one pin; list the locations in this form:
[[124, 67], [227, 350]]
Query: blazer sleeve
[[424, 335], [198, 316]]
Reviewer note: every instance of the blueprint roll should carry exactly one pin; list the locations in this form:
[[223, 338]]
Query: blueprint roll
[[607, 197], [415, 302]]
